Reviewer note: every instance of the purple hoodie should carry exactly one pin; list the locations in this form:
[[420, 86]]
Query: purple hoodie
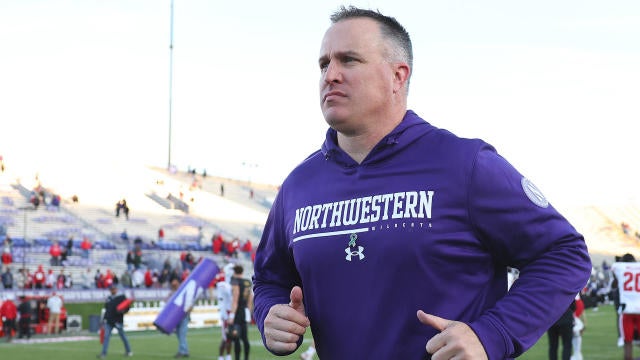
[[427, 221]]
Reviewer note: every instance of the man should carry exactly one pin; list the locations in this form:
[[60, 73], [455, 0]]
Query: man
[[54, 304], [242, 299], [114, 319], [9, 313], [626, 273], [24, 324], [7, 278], [183, 325], [394, 209], [39, 278], [225, 297]]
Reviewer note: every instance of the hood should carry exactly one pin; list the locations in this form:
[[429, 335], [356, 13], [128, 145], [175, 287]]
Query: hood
[[389, 145]]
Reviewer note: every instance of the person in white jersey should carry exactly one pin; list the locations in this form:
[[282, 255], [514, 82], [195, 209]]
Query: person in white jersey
[[224, 296], [627, 273]]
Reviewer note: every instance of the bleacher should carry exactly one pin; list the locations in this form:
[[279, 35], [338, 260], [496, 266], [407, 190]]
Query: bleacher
[[33, 230]]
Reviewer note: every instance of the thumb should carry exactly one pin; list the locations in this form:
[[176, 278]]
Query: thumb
[[296, 299], [435, 322]]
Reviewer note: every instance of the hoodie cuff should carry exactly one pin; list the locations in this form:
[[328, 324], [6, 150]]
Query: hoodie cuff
[[493, 339]]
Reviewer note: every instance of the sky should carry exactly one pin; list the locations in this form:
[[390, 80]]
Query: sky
[[86, 85]]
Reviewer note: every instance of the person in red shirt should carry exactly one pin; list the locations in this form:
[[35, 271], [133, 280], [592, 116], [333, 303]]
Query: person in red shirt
[[216, 243], [85, 245], [55, 251], [7, 258], [148, 278], [39, 278], [9, 312], [107, 280], [247, 246]]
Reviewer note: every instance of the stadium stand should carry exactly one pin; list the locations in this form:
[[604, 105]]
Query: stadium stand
[[33, 230]]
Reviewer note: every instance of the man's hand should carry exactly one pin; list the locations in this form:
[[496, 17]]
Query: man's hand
[[285, 323], [455, 340]]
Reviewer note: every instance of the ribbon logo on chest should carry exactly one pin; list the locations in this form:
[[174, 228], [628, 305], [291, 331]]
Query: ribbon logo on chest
[[351, 248]]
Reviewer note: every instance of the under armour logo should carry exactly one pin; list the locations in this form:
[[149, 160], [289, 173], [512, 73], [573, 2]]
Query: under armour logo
[[352, 253]]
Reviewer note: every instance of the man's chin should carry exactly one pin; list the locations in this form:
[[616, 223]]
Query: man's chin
[[334, 118]]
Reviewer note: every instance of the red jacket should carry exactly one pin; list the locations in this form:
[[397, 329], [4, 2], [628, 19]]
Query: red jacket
[[86, 244], [9, 310], [217, 244], [7, 258], [55, 250]]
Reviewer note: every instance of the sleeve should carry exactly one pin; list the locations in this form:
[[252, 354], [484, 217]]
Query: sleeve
[[275, 273], [521, 229]]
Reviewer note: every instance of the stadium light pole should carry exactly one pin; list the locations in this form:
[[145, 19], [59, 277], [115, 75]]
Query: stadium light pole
[[170, 83]]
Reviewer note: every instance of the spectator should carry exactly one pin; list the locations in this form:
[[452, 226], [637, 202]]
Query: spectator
[[107, 281], [55, 202], [29, 279], [163, 279], [35, 200], [69, 247], [86, 247], [87, 279], [122, 206], [55, 251], [247, 248], [68, 281], [7, 278], [39, 278], [160, 235], [7, 257], [217, 243], [51, 279], [61, 280], [134, 258], [137, 278], [125, 280], [21, 278], [148, 278], [98, 279], [124, 236]]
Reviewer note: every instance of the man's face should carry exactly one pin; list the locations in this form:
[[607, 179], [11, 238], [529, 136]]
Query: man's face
[[356, 80]]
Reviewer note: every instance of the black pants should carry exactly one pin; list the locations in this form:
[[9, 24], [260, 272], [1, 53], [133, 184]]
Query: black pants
[[244, 336], [8, 327], [23, 327], [556, 332]]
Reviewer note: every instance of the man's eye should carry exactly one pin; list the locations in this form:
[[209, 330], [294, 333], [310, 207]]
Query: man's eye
[[348, 59]]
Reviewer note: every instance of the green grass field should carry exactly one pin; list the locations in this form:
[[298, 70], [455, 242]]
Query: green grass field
[[599, 343]]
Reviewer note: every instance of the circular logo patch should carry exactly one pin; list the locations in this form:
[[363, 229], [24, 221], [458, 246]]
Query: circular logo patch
[[533, 193]]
